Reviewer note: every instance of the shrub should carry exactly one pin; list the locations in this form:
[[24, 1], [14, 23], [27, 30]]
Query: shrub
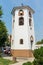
[[28, 63], [0, 54], [38, 53], [38, 61], [41, 61], [24, 63], [35, 62]]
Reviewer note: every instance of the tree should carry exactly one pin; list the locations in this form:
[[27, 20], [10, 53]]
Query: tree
[[3, 33], [40, 42], [27, 63], [3, 30], [1, 13], [38, 54]]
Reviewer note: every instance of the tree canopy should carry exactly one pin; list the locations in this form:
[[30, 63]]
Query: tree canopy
[[40, 42], [1, 13], [3, 30], [3, 33], [38, 54]]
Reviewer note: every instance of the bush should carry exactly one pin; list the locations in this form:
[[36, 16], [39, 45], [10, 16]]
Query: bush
[[38, 61], [24, 63], [41, 61], [38, 53], [0, 54], [6, 62], [35, 62], [28, 63]]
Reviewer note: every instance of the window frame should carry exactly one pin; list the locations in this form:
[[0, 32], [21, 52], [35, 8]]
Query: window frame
[[21, 21], [21, 41], [31, 40], [13, 23], [30, 22], [21, 14], [30, 15]]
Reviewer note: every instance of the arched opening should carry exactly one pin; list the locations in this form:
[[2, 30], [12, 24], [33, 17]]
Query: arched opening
[[21, 21], [21, 12], [21, 41], [31, 40], [30, 23], [30, 14]]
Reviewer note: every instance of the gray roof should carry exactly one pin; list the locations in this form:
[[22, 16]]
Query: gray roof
[[22, 7]]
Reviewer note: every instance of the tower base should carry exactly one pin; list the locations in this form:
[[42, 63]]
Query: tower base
[[22, 53]]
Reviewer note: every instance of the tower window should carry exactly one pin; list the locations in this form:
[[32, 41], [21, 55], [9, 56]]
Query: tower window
[[12, 41], [13, 23], [21, 21], [21, 41], [21, 12], [31, 40], [30, 14], [29, 22], [13, 20]]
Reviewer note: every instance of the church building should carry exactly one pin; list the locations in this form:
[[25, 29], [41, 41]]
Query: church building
[[23, 38]]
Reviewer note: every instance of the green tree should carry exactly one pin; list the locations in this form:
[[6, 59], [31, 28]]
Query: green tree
[[3, 30], [1, 13], [3, 33], [40, 42], [38, 54], [27, 63]]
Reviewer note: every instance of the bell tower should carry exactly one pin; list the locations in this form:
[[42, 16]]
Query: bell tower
[[23, 38]]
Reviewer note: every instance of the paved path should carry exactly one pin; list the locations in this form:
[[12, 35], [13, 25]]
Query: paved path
[[20, 61], [23, 61]]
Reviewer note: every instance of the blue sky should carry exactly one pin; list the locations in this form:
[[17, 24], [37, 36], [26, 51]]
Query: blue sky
[[37, 5]]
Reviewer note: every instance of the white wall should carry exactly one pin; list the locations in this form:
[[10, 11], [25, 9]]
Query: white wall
[[22, 32]]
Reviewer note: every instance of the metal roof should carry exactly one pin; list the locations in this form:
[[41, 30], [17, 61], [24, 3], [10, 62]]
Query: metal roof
[[22, 7]]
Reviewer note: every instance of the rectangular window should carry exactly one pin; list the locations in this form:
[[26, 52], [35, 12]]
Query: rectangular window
[[13, 23], [29, 22], [30, 14], [21, 21], [21, 41]]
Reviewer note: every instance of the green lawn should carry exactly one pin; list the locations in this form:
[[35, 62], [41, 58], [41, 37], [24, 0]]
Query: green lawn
[[5, 62]]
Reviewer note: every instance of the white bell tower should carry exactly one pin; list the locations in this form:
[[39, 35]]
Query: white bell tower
[[23, 38]]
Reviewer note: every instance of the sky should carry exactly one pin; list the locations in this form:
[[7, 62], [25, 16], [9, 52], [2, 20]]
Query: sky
[[36, 5]]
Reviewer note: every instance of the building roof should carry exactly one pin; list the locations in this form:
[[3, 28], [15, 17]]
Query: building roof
[[22, 7]]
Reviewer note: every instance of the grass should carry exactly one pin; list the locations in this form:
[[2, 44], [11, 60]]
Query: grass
[[5, 61]]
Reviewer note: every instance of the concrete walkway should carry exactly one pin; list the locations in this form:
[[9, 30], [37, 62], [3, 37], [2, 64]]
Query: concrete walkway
[[9, 58], [20, 62]]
